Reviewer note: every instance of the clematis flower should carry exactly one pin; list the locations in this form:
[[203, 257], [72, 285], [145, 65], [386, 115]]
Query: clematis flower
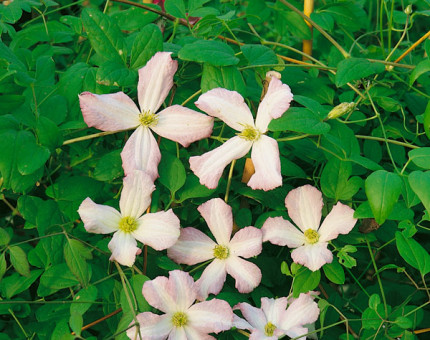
[[230, 107], [194, 247], [182, 319], [274, 319], [304, 206], [113, 112], [159, 230]]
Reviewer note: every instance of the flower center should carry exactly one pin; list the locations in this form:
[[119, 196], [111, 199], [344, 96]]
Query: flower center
[[128, 224], [179, 319], [269, 329], [221, 252], [311, 236], [148, 119], [250, 133]]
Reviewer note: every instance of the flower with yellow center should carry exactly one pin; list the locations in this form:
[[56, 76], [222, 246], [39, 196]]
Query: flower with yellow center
[[230, 107], [159, 230], [227, 253], [183, 319], [311, 238]]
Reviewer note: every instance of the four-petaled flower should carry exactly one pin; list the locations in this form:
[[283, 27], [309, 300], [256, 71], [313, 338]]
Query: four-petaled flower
[[183, 319], [194, 247], [230, 107], [304, 206], [159, 230], [113, 112], [274, 319]]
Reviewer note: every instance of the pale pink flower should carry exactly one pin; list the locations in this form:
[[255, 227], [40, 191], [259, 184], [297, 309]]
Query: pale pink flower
[[304, 206], [194, 247], [182, 319], [116, 111], [230, 107], [159, 230], [274, 319]]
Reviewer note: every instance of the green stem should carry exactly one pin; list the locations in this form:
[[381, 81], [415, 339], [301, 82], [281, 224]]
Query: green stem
[[288, 65], [53, 11], [191, 97], [379, 139], [94, 135], [287, 139], [230, 175], [381, 287]]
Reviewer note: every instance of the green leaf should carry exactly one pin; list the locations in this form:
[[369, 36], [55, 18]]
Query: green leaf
[[172, 173], [296, 25], [285, 269], [58, 277], [136, 283], [19, 261], [413, 253], [382, 190], [371, 319], [75, 254], [76, 322], [134, 18], [299, 119], [334, 180], [32, 156], [104, 35], [334, 272], [175, 8], [227, 77], [89, 295], [422, 67], [193, 189], [145, 45], [420, 157], [15, 284], [48, 133], [114, 73], [345, 259], [374, 301], [259, 55], [403, 322], [420, 184], [426, 121], [209, 51], [4, 237], [305, 280], [3, 265], [356, 68], [109, 166]]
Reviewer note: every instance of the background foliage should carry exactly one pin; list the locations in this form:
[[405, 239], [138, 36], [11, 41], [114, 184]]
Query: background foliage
[[56, 278]]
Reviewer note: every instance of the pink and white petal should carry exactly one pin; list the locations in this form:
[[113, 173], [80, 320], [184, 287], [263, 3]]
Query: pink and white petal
[[275, 103], [246, 274], [302, 311], [157, 293], [219, 218], [194, 334], [158, 230], [178, 333], [183, 125], [274, 309], [192, 247], [304, 206], [240, 323], [152, 327], [109, 112], [212, 279], [212, 316], [209, 166], [182, 288], [313, 256], [295, 332], [141, 152], [257, 334], [340, 220], [97, 218], [123, 248], [155, 81], [255, 316], [247, 242], [136, 194], [267, 164], [229, 106], [278, 231]]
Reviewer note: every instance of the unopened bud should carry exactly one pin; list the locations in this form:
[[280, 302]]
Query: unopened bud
[[408, 10], [340, 110]]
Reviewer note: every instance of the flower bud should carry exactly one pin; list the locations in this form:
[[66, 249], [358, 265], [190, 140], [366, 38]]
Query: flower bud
[[340, 110], [408, 10]]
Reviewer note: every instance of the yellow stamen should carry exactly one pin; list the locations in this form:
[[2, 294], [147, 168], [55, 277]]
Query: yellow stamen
[[221, 252], [250, 133], [312, 236], [128, 224], [179, 319], [148, 119], [269, 329]]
